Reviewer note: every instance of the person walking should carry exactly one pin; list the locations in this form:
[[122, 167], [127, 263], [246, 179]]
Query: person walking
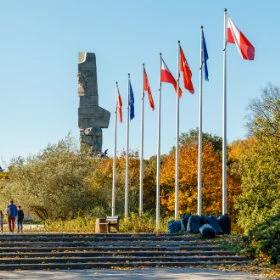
[[1, 220], [12, 214], [20, 217]]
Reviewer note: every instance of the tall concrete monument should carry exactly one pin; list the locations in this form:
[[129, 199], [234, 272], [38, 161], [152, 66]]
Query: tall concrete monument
[[92, 118]]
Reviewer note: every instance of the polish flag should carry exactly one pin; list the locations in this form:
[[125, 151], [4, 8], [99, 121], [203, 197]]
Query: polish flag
[[235, 36], [167, 77], [147, 89], [119, 106], [187, 73]]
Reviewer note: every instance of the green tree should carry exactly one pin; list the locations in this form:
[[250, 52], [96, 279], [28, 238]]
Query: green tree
[[260, 161], [52, 184], [191, 137]]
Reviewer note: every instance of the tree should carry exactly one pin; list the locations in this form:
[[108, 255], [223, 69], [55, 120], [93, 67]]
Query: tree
[[52, 184], [192, 138], [211, 172], [260, 161]]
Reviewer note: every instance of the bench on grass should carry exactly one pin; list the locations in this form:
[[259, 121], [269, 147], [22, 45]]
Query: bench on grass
[[107, 225]]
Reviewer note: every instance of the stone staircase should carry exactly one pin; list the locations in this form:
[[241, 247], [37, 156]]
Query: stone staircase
[[82, 251]]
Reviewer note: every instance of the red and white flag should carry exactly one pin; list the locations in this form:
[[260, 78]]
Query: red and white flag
[[147, 89], [167, 77], [119, 106], [187, 73], [235, 36]]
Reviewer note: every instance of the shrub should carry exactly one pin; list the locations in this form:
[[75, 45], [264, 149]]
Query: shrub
[[146, 223], [79, 224], [263, 240]]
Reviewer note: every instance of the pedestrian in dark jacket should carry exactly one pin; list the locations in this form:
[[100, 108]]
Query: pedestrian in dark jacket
[[20, 218], [1, 220], [12, 214]]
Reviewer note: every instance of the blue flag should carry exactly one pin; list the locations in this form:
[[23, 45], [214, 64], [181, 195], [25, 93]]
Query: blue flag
[[204, 57], [131, 102]]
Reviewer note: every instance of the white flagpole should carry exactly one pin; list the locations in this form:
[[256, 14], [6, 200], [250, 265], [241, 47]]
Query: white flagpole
[[114, 158], [177, 137], [127, 154], [224, 163], [199, 175], [158, 154], [142, 151]]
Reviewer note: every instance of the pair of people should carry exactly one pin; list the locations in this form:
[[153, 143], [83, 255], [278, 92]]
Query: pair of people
[[13, 213]]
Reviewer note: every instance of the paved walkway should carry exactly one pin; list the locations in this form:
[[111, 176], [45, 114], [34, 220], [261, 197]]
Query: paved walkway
[[135, 274]]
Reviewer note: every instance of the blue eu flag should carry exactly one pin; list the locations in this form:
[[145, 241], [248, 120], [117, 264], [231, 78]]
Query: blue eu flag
[[204, 57], [131, 102]]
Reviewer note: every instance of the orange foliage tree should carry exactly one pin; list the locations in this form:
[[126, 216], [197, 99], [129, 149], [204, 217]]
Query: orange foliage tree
[[101, 181], [211, 180]]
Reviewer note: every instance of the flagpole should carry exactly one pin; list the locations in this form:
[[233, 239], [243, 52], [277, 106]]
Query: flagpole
[[224, 156], [199, 176], [142, 151], [127, 154], [177, 137], [114, 158], [158, 154]]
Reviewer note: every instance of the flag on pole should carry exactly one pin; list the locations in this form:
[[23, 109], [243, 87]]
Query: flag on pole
[[147, 89], [235, 36], [187, 73], [131, 102], [204, 56], [167, 77], [119, 105]]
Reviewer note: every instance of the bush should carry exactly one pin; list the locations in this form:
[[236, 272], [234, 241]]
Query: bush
[[79, 224], [146, 223], [263, 240]]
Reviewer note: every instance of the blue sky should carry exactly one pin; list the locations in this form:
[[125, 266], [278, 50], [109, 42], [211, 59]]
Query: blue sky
[[40, 41]]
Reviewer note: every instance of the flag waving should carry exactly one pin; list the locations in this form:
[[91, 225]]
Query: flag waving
[[204, 56], [131, 102], [235, 36], [119, 105], [187, 73], [147, 88], [167, 77]]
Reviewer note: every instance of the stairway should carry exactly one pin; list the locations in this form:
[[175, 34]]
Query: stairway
[[83, 251]]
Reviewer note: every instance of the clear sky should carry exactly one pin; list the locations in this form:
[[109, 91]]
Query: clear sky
[[40, 41]]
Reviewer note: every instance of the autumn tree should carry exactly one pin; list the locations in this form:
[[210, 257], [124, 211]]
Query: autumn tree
[[260, 161], [52, 183], [211, 176]]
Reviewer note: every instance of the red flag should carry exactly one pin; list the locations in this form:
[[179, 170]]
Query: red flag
[[167, 77], [147, 89], [235, 36], [187, 73], [119, 106]]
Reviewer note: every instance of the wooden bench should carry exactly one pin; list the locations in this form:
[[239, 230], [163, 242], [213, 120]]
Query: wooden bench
[[107, 225]]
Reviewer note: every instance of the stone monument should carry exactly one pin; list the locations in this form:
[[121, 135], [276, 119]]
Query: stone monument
[[92, 118]]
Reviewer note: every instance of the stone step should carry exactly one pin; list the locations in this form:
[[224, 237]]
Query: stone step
[[186, 239], [44, 266], [107, 248], [108, 243], [81, 251], [120, 259], [96, 237], [114, 253]]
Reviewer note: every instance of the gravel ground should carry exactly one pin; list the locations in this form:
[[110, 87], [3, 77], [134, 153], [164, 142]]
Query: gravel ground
[[135, 274]]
